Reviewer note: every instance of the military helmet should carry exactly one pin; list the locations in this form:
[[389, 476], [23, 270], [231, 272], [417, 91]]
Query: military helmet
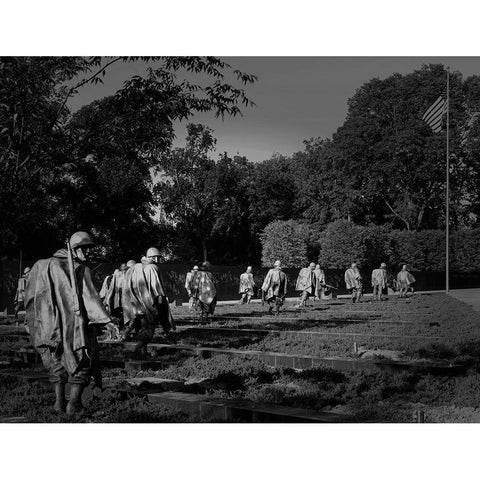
[[26, 270], [81, 239], [131, 263], [153, 252]]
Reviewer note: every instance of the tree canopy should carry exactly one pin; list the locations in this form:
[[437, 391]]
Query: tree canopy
[[61, 172], [110, 167]]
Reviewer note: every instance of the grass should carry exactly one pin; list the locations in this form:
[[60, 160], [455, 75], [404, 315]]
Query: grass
[[34, 401]]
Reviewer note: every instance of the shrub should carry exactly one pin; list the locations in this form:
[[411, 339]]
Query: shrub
[[343, 242], [285, 241]]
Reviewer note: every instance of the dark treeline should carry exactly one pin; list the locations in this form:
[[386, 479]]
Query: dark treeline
[[93, 170]]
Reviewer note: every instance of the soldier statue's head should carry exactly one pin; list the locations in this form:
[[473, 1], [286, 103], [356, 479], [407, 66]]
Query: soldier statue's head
[[131, 263], [153, 254], [312, 266], [249, 269], [81, 244], [26, 271], [277, 264]]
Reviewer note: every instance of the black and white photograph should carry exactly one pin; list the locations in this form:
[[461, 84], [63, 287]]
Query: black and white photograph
[[238, 239]]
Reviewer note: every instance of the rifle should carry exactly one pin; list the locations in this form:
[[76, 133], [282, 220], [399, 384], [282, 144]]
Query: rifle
[[73, 280], [330, 287], [263, 297]]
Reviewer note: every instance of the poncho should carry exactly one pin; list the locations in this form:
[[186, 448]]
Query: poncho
[[353, 278], [247, 284], [20, 293], [379, 278], [144, 294], [404, 279], [275, 284], [306, 280], [113, 297], [203, 288]]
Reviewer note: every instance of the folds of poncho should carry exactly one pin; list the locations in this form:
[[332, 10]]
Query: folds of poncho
[[49, 309], [405, 279], [20, 293], [105, 286], [247, 284], [379, 278], [203, 288], [319, 281], [353, 278], [144, 294], [188, 279], [306, 280], [113, 297], [275, 284]]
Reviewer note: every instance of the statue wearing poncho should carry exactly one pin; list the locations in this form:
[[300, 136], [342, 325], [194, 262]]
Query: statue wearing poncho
[[353, 282], [145, 304], [306, 283], [203, 290], [247, 286], [274, 288], [405, 280], [66, 341]]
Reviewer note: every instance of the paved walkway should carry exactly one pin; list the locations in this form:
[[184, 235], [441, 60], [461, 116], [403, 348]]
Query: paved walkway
[[468, 295]]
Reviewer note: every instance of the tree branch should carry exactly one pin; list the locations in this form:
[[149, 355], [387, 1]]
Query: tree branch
[[85, 81], [396, 214]]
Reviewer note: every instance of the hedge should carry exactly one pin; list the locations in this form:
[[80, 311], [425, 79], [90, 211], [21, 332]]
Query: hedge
[[342, 242], [285, 241]]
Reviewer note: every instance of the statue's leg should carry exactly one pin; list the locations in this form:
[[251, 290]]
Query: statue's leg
[[78, 382], [57, 376], [270, 305], [359, 294]]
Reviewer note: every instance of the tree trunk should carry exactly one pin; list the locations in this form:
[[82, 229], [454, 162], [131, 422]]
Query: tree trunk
[[420, 217]]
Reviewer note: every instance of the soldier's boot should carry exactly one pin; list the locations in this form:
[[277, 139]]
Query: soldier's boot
[[60, 402], [74, 405]]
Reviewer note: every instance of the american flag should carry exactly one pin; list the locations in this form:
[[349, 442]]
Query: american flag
[[434, 114]]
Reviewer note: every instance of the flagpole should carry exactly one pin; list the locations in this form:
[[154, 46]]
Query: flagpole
[[447, 210]]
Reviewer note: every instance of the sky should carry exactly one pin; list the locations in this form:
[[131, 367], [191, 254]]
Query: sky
[[296, 98]]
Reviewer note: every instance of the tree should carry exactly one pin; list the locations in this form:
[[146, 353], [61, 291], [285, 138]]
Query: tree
[[272, 192], [390, 157], [43, 148], [232, 241], [187, 191]]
